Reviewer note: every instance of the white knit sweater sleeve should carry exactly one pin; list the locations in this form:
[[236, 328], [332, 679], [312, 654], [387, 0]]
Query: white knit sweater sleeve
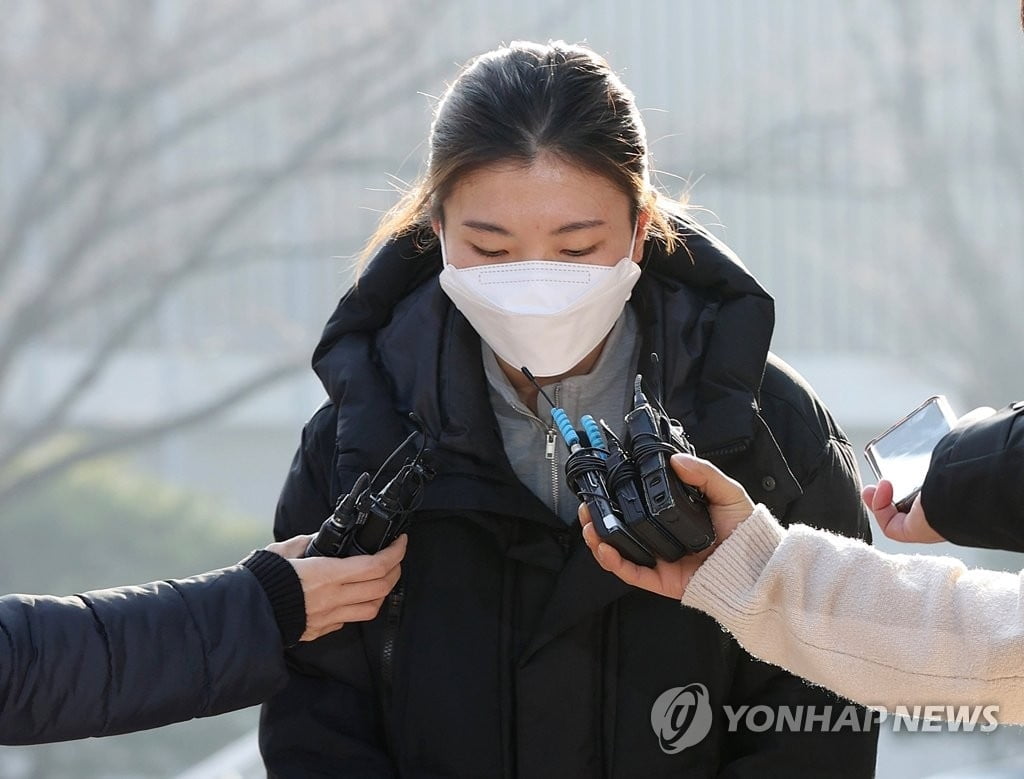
[[881, 629]]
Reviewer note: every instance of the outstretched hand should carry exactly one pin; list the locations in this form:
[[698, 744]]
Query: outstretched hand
[[728, 504], [340, 590]]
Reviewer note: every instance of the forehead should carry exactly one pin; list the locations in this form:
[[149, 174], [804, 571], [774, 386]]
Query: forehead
[[545, 191]]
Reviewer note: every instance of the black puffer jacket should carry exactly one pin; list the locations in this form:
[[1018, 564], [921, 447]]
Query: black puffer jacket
[[132, 658], [973, 494], [505, 650]]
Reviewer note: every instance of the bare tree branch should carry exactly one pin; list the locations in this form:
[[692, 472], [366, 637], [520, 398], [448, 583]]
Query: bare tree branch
[[15, 483], [45, 200], [119, 285], [202, 251], [30, 205], [37, 310], [1009, 147]]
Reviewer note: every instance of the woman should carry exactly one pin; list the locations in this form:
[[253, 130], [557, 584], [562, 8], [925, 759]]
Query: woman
[[882, 629], [505, 650]]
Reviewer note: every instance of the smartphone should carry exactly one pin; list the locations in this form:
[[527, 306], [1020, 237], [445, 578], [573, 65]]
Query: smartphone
[[903, 453]]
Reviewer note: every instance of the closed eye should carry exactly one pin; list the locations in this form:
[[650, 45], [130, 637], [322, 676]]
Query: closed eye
[[496, 253], [488, 253], [581, 252]]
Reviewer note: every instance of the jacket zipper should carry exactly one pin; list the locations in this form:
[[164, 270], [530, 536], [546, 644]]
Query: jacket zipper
[[387, 661], [732, 449], [551, 453], [550, 447]]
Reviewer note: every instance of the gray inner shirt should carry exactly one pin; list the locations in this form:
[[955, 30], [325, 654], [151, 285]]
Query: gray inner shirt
[[532, 443]]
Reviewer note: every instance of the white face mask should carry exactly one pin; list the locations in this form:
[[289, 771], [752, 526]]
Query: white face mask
[[545, 315]]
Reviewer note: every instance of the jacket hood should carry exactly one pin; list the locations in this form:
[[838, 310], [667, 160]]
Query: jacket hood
[[396, 344], [702, 312]]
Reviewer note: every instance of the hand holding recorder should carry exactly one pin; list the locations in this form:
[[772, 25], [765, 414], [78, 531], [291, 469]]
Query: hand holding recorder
[[636, 505], [728, 505]]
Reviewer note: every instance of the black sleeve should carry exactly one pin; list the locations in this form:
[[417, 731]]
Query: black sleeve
[[326, 721], [973, 494], [132, 658]]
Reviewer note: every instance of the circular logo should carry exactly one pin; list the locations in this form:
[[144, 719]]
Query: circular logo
[[681, 717]]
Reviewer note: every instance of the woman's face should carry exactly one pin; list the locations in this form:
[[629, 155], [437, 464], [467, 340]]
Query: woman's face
[[550, 210]]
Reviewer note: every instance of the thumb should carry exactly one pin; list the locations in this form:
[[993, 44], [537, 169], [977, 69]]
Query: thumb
[[716, 486], [883, 496], [292, 548]]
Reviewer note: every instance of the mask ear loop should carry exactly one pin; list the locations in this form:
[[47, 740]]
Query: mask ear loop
[[632, 243], [444, 254]]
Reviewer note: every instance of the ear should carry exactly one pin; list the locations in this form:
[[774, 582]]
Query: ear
[[643, 219], [435, 223]]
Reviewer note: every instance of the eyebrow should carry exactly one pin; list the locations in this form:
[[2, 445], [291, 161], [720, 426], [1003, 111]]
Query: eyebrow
[[489, 227], [574, 226]]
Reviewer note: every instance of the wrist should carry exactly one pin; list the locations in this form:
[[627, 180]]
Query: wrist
[[281, 584]]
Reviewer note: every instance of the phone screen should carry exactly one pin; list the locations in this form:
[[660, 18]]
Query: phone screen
[[902, 454]]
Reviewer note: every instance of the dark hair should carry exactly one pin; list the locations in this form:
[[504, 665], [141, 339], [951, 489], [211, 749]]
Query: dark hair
[[521, 101]]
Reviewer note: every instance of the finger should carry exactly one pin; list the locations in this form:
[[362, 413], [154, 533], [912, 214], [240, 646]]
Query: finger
[[868, 494], [392, 577], [344, 570], [878, 499], [378, 564], [609, 558], [716, 486], [392, 555], [591, 537], [883, 495], [584, 514], [325, 599], [292, 548], [352, 612]]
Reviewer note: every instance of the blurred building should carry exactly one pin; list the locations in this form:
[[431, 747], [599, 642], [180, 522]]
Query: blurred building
[[772, 119], [228, 160]]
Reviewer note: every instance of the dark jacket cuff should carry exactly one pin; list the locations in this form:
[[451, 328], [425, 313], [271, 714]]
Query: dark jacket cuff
[[973, 494], [281, 583]]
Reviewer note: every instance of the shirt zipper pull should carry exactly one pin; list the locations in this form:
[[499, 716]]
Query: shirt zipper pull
[[549, 449]]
